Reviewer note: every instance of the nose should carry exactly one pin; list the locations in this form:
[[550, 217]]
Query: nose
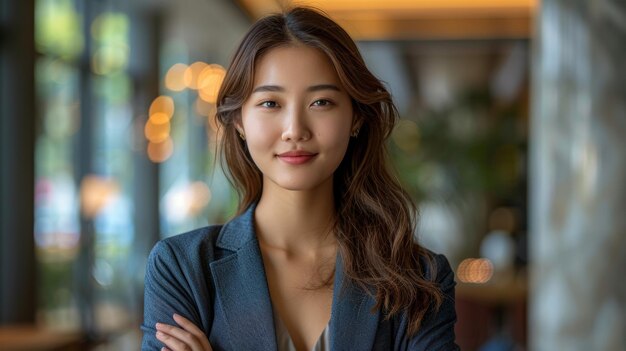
[[295, 126]]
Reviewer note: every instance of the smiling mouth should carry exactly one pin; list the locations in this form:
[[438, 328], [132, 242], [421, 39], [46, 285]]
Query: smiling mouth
[[296, 157]]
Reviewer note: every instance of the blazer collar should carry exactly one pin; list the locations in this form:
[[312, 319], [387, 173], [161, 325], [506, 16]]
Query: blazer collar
[[242, 290], [239, 231]]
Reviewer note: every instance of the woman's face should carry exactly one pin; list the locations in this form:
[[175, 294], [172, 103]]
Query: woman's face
[[298, 119]]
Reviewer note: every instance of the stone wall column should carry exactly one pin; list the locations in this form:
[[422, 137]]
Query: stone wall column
[[578, 177]]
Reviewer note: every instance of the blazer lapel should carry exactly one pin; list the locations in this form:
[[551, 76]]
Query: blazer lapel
[[241, 287], [242, 292], [352, 324]]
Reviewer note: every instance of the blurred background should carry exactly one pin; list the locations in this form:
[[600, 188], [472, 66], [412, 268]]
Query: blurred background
[[511, 141]]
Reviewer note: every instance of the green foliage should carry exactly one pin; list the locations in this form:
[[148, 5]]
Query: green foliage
[[477, 145]]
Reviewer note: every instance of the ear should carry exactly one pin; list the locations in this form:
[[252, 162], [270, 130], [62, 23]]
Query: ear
[[239, 126], [239, 129]]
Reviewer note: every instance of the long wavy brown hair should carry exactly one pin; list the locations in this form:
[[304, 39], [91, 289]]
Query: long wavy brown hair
[[375, 217]]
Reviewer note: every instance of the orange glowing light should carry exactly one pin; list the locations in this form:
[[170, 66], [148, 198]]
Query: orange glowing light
[[192, 73], [175, 77], [159, 118], [200, 196], [95, 193], [210, 81], [159, 152], [156, 133], [475, 270], [162, 104]]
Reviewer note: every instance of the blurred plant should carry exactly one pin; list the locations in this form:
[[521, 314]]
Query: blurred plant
[[477, 145]]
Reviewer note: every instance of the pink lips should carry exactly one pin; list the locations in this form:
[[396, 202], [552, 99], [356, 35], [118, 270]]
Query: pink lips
[[296, 157]]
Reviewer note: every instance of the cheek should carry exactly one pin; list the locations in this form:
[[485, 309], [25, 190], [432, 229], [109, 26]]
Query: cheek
[[335, 135], [260, 139], [258, 132], [257, 142], [336, 143]]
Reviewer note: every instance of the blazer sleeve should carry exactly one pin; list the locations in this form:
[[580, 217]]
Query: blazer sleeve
[[167, 291], [437, 330]]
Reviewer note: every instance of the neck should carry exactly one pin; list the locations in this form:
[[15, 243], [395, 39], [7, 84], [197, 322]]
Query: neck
[[296, 221]]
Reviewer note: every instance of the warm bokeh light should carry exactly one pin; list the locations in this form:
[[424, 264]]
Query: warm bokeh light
[[159, 118], [260, 8], [210, 81], [419, 19], [175, 77], [192, 73], [186, 200], [162, 104], [95, 193], [159, 152], [157, 129], [156, 133], [200, 196], [475, 270]]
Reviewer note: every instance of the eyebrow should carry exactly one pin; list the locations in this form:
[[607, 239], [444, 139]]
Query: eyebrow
[[273, 88]]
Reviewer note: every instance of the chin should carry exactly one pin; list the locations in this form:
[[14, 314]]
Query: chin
[[302, 184], [299, 187]]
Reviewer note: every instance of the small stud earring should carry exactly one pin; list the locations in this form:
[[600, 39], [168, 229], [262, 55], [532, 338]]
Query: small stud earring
[[241, 135], [355, 133]]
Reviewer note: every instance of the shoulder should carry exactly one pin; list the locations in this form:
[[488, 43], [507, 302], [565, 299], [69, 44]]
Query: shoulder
[[178, 280], [437, 328], [436, 331], [200, 247], [196, 246], [436, 267]]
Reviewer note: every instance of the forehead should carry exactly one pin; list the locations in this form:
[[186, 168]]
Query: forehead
[[294, 65]]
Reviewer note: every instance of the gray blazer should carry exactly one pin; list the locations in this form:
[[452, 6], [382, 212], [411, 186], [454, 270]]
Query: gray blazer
[[214, 276]]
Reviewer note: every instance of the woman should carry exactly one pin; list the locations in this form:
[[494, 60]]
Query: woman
[[321, 255]]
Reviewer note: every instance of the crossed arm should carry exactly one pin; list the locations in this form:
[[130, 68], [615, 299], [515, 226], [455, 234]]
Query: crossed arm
[[167, 299], [184, 337]]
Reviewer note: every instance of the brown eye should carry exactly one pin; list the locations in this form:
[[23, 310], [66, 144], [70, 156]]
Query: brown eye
[[321, 103], [269, 104]]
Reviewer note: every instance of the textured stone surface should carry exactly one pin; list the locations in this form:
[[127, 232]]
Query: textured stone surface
[[578, 177]]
